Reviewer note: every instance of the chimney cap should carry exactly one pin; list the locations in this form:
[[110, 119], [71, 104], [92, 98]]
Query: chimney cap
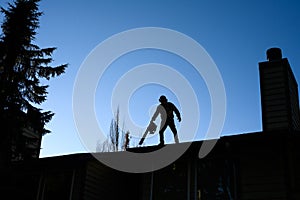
[[274, 54]]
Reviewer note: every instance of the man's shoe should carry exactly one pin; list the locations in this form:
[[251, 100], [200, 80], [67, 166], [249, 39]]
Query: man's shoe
[[161, 144]]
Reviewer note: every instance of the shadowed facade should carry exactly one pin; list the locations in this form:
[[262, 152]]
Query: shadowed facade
[[259, 165]]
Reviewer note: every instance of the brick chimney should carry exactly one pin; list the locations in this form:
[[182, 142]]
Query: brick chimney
[[279, 93]]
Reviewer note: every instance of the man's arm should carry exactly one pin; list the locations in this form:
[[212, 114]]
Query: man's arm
[[155, 114], [177, 112]]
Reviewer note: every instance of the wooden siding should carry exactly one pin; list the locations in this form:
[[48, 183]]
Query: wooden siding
[[262, 178], [279, 96], [294, 100], [102, 182], [263, 169]]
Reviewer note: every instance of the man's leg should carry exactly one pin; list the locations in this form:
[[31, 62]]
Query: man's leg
[[161, 133], [174, 130]]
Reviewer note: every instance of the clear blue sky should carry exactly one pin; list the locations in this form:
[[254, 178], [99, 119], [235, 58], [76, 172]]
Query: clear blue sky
[[236, 34]]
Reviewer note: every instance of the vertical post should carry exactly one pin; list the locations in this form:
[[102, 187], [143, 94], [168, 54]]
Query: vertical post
[[41, 187], [72, 184], [189, 180], [151, 186], [195, 178]]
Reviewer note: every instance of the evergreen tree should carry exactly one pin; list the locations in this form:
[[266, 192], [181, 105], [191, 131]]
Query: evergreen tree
[[22, 65]]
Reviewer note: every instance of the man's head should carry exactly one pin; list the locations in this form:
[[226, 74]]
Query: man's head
[[163, 99]]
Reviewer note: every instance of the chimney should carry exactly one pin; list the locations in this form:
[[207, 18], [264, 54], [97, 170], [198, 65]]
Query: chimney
[[279, 93]]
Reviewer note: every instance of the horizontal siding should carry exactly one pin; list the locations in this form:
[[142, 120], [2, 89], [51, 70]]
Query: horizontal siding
[[272, 69], [294, 101], [275, 103], [102, 182], [97, 180], [275, 91], [277, 119], [272, 86], [279, 88], [276, 108], [270, 101], [276, 126], [92, 182], [262, 174], [278, 113], [273, 80]]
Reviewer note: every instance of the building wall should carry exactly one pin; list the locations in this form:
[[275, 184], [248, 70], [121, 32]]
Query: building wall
[[102, 182], [262, 170], [244, 167]]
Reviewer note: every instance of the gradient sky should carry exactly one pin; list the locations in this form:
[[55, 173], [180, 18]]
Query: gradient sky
[[236, 34]]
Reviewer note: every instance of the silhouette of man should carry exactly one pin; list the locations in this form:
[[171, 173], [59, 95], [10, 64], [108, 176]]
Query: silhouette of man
[[166, 109]]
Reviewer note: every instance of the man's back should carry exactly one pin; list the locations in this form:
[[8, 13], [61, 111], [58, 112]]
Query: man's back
[[169, 109]]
